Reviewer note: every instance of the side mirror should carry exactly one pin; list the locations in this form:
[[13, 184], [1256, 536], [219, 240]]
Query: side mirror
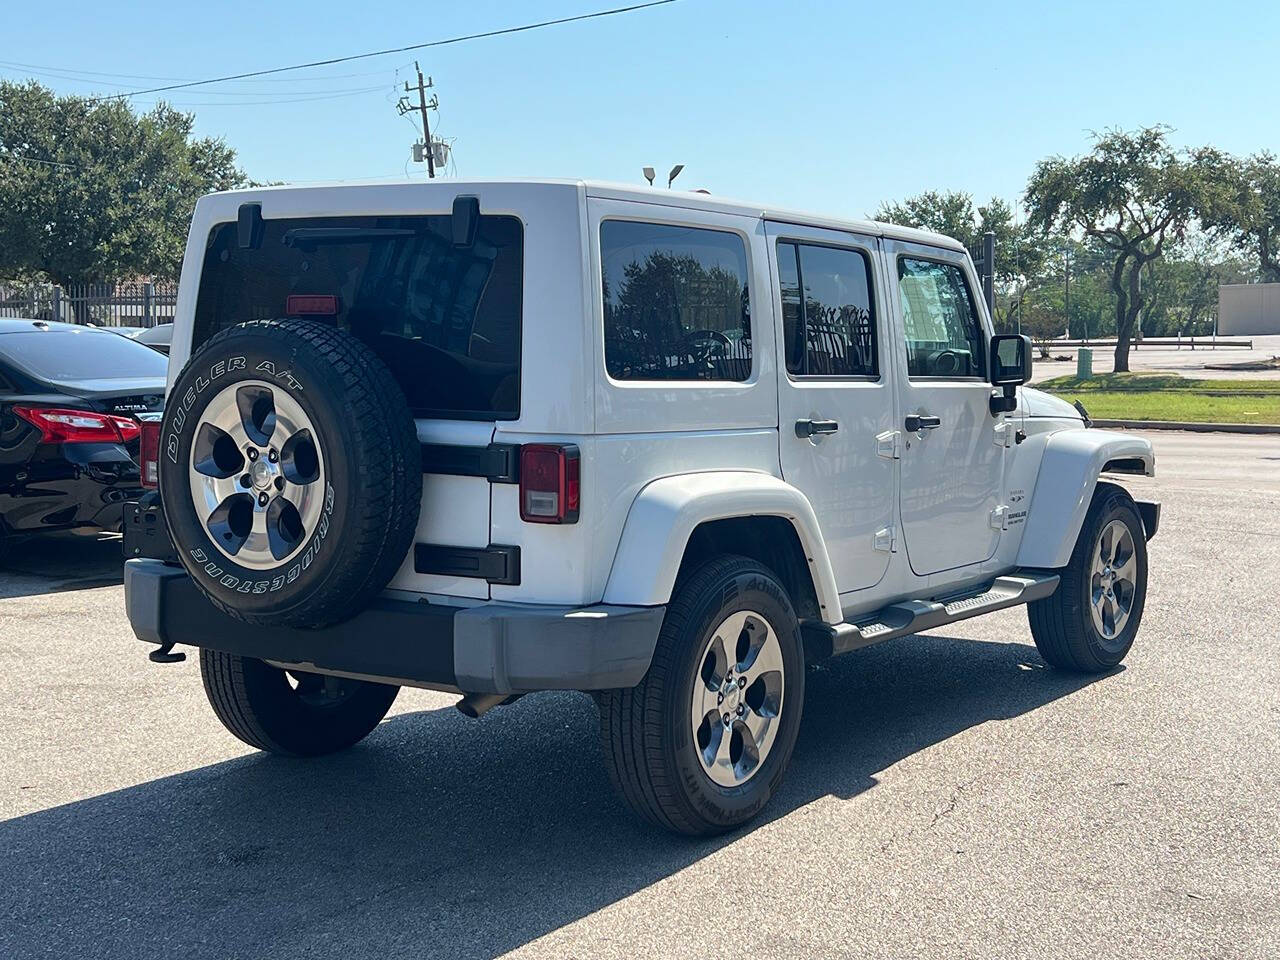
[[1010, 359], [1010, 366]]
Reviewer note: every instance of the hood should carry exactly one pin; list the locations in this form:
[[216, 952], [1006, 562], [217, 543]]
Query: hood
[[1037, 403]]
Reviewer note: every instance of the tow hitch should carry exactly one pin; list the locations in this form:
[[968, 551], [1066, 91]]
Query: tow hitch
[[165, 654]]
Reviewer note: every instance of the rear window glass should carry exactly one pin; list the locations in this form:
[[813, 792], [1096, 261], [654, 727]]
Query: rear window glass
[[676, 305], [65, 356], [446, 320]]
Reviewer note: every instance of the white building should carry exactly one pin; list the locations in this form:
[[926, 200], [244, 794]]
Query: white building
[[1248, 309]]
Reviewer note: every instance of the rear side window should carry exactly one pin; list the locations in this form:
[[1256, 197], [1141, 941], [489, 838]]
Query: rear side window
[[446, 320], [828, 313], [676, 304], [944, 336]]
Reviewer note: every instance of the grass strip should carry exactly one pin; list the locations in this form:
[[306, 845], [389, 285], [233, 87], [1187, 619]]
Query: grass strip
[[1163, 383], [1183, 405]]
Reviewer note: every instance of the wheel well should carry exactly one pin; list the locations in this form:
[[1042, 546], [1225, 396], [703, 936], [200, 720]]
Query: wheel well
[[772, 541], [1135, 465]]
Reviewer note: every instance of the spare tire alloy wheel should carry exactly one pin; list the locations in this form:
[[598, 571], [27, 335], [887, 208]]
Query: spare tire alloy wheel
[[290, 473], [257, 474]]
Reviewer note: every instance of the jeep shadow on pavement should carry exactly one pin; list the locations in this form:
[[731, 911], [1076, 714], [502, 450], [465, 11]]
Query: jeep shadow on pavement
[[499, 438], [442, 835]]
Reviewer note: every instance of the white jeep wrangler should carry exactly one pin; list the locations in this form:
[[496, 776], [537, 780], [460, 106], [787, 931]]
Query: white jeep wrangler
[[501, 437]]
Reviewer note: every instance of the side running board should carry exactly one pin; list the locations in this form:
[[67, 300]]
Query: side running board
[[915, 616]]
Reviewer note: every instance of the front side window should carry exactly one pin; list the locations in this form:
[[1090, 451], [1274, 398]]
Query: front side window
[[828, 315], [943, 333], [676, 303]]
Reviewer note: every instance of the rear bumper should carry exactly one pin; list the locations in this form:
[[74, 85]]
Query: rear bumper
[[70, 485], [490, 648]]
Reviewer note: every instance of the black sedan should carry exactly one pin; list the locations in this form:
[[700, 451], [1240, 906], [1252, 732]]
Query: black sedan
[[70, 399]]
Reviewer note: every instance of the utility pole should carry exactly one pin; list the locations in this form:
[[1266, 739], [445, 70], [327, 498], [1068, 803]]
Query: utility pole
[[989, 271], [1066, 297], [423, 106], [1138, 319]]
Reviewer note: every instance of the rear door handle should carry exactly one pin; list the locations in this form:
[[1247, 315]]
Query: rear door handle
[[809, 428], [916, 423]]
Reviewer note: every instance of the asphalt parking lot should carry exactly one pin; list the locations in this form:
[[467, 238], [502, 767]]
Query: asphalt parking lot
[[950, 796]]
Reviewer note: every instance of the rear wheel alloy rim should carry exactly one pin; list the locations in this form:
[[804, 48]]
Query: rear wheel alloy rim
[[1113, 580], [256, 474], [737, 698]]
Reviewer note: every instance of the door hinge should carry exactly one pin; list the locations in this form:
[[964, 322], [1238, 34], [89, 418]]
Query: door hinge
[[1004, 431], [889, 445], [886, 540], [998, 516]]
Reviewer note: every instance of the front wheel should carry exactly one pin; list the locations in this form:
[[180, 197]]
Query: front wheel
[[289, 712], [701, 744], [1089, 623]]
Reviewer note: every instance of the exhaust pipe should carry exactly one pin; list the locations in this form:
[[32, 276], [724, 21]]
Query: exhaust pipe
[[476, 705]]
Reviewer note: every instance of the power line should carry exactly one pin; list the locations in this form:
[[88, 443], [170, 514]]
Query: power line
[[49, 163], [67, 73], [390, 50], [281, 98], [261, 92]]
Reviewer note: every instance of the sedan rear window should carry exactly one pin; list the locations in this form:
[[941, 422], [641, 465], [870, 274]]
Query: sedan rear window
[[68, 355]]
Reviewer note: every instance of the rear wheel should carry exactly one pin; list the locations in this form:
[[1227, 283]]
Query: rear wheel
[[1090, 622], [701, 744], [289, 712]]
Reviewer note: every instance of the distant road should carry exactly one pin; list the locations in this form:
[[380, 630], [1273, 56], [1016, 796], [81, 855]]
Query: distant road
[[1184, 361]]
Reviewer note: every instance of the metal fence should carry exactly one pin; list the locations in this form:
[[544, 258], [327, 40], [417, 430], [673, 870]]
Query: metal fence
[[135, 303]]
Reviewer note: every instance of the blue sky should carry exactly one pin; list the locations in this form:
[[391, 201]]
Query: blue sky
[[826, 106]]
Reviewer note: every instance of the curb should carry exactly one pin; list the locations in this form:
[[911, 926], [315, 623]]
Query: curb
[[1258, 428]]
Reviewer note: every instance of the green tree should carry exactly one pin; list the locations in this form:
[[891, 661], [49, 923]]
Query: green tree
[[93, 192], [952, 214], [1133, 194], [1249, 216]]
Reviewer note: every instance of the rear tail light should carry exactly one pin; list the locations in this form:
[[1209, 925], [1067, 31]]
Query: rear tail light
[[311, 304], [129, 429], [149, 454], [78, 426], [550, 483]]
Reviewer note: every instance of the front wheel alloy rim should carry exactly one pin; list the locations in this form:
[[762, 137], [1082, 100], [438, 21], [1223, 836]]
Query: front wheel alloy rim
[[256, 474], [1113, 582], [737, 698]]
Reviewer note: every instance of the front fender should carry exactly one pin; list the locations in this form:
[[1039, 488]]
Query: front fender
[[1069, 471], [666, 512]]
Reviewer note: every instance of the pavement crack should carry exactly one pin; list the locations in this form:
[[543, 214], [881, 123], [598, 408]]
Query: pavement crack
[[952, 802]]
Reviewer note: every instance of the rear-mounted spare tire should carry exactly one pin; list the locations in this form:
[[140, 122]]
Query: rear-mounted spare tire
[[290, 472]]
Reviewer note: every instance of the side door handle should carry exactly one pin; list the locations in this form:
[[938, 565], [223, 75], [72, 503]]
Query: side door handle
[[809, 428], [916, 423]]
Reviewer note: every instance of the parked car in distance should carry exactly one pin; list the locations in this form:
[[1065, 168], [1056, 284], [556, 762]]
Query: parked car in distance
[[503, 437], [157, 338], [70, 398]]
